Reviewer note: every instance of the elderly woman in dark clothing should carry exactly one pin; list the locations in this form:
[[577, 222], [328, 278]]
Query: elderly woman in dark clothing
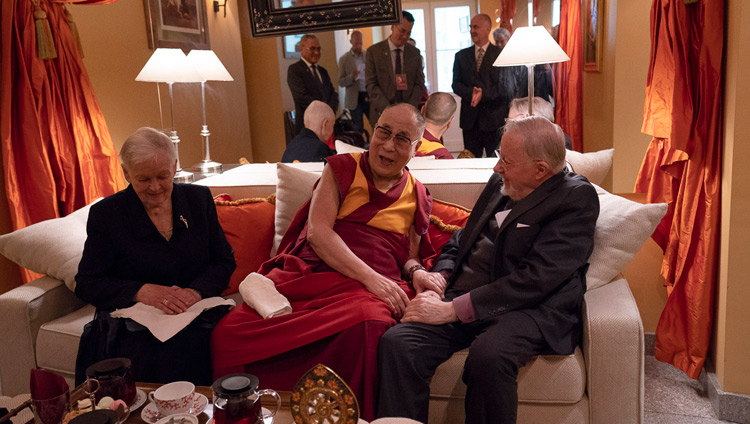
[[160, 244]]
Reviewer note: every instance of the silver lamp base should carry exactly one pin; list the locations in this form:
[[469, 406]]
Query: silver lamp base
[[183, 177], [208, 167]]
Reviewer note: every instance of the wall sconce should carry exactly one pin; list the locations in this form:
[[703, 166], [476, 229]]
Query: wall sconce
[[217, 6]]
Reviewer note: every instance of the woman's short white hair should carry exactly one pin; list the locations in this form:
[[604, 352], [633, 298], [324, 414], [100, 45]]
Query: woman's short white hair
[[542, 108], [144, 145]]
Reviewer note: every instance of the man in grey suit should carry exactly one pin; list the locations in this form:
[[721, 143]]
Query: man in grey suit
[[485, 93], [515, 283], [393, 70], [309, 81], [352, 78]]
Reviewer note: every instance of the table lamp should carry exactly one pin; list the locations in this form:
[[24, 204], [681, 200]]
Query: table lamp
[[210, 68], [531, 45], [170, 66]]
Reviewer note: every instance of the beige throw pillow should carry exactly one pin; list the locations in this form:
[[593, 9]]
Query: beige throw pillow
[[52, 247], [342, 147], [593, 165], [622, 228], [293, 188]]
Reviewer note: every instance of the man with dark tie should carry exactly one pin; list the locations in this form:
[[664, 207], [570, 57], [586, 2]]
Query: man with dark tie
[[309, 81], [485, 95], [393, 70]]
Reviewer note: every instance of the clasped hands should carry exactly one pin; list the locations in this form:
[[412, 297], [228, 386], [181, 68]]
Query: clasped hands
[[170, 300], [476, 96], [396, 299]]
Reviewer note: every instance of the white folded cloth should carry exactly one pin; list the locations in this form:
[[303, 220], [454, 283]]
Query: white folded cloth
[[259, 292], [164, 326]]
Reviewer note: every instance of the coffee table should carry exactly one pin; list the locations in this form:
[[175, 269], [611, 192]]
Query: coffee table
[[284, 416]]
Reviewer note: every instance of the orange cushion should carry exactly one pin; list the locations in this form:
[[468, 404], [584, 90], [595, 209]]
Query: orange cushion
[[446, 218], [249, 227]]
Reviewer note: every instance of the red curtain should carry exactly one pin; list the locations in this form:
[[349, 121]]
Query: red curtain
[[507, 12], [57, 151], [682, 167], [568, 75]]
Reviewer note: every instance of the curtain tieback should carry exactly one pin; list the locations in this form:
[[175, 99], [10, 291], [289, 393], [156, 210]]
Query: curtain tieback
[[45, 44], [73, 29]]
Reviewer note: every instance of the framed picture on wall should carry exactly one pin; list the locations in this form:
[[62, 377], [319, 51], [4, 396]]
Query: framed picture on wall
[[593, 32], [176, 23]]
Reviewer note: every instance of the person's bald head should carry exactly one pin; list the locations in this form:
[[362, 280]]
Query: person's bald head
[[356, 40], [480, 28], [439, 109], [319, 118]]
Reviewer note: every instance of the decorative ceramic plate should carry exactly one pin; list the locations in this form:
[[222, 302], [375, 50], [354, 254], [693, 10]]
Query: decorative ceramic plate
[[151, 414], [179, 419], [140, 399]]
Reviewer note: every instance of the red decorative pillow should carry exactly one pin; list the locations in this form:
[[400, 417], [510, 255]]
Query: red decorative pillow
[[249, 227], [446, 218]]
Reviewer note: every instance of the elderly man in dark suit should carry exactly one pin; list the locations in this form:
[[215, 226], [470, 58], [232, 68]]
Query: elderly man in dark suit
[[516, 279], [309, 81], [485, 95], [393, 70], [310, 144]]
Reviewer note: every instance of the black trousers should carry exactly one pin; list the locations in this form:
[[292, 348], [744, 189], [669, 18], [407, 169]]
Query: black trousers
[[478, 141], [409, 353]]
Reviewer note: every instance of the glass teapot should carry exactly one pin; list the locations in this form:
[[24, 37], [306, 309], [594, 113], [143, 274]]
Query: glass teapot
[[236, 400], [115, 379]]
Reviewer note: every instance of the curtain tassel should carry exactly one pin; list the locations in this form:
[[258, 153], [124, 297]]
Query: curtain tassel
[[45, 44], [74, 30]]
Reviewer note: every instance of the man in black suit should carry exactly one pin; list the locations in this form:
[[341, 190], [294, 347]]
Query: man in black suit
[[310, 144], [485, 95], [393, 70], [309, 81], [516, 279]]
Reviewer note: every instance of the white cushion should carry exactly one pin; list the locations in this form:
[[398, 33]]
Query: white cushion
[[293, 188], [52, 247], [594, 165], [342, 147], [621, 229]]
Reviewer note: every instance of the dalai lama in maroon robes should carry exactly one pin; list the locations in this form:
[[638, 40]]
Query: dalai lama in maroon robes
[[349, 263]]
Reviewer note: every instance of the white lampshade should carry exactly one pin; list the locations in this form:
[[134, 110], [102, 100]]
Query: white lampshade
[[530, 46], [168, 65], [208, 65]]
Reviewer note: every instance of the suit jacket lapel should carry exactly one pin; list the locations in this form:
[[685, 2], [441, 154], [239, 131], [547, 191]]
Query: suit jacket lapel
[[487, 214]]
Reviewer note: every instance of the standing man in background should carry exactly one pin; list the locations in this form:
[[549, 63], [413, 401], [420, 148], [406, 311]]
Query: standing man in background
[[308, 81], [484, 98], [352, 78], [393, 70]]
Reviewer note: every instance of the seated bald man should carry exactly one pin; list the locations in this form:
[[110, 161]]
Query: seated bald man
[[516, 279], [438, 112], [310, 144]]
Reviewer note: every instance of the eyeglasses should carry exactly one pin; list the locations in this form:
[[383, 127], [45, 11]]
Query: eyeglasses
[[401, 141], [512, 164]]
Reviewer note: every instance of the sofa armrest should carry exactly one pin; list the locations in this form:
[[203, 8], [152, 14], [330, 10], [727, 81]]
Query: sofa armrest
[[613, 349], [24, 310]]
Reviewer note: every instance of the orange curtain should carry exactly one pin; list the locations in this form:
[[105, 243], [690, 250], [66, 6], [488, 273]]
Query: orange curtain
[[682, 167], [507, 13], [568, 75], [57, 151]]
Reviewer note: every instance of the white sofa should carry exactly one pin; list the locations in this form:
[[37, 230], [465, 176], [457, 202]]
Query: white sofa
[[602, 381]]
